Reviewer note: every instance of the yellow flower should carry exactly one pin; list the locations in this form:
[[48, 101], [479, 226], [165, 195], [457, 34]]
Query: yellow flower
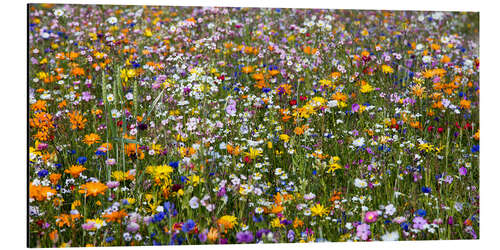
[[366, 88], [476, 135], [253, 153], [387, 69], [276, 223], [160, 173], [195, 180], [119, 175], [228, 221], [284, 137], [318, 210]]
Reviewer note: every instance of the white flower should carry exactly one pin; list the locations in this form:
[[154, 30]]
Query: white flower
[[110, 97], [115, 113], [360, 183], [112, 20], [194, 202], [427, 59], [359, 142], [259, 210], [390, 209], [58, 12], [129, 96], [391, 236]]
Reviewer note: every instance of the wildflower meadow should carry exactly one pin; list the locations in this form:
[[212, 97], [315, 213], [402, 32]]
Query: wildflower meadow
[[158, 125]]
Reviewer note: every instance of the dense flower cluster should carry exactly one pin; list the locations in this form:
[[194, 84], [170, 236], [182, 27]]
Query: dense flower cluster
[[199, 125]]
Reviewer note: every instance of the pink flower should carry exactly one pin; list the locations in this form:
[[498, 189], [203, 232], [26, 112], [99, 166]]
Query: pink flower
[[363, 231], [371, 216]]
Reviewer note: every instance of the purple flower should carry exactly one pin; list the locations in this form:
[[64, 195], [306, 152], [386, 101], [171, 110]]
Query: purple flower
[[355, 107], [231, 108], [462, 171], [363, 231], [419, 222], [203, 236], [86, 96], [290, 235], [133, 227], [244, 237]]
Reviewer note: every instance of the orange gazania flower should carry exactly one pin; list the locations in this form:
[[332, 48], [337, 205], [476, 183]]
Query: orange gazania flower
[[297, 223], [63, 219], [77, 71], [91, 139], [39, 106], [75, 170], [465, 104], [335, 196], [233, 150], [339, 96], [276, 209], [133, 150], [115, 216], [284, 89], [54, 178], [77, 120], [93, 188], [228, 221], [40, 192], [247, 69], [212, 235]]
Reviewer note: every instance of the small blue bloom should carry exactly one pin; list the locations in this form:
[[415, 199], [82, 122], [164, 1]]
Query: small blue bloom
[[174, 164], [188, 226], [42, 173], [110, 239], [421, 212], [81, 160]]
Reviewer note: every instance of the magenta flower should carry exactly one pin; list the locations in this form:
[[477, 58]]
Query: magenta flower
[[462, 171], [371, 216], [363, 231]]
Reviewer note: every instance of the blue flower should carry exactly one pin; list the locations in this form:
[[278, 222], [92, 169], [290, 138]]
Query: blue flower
[[188, 226], [174, 164], [421, 212], [426, 190], [404, 226], [110, 239], [42, 173], [184, 179], [81, 160], [99, 152], [475, 148], [158, 217]]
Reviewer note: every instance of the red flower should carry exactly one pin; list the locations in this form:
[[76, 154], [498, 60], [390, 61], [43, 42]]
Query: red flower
[[293, 102], [430, 128], [440, 130], [303, 98], [247, 159]]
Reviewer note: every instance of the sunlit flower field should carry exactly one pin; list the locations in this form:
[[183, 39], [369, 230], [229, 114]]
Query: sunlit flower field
[[197, 125]]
